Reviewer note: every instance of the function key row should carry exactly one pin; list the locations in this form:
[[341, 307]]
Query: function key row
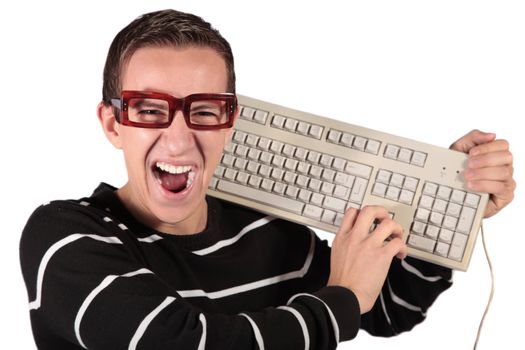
[[297, 126], [254, 115], [353, 141], [405, 155]]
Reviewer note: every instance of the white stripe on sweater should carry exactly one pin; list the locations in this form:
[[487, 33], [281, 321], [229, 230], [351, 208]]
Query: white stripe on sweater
[[256, 332], [193, 293], [105, 282], [230, 241], [404, 303], [146, 322], [202, 342], [418, 273], [302, 323], [35, 304], [333, 320]]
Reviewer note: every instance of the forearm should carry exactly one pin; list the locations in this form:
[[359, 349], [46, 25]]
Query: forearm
[[410, 289]]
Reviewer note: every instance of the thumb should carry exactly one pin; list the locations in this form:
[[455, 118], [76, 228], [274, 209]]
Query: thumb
[[472, 139]]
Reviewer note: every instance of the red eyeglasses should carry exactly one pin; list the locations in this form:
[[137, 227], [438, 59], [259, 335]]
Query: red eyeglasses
[[156, 110]]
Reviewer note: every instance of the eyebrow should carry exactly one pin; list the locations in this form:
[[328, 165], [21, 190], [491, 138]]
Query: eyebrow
[[148, 103]]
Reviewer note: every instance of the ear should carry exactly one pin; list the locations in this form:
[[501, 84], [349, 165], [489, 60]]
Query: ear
[[110, 126]]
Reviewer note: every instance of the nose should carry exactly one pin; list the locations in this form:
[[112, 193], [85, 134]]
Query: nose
[[178, 136]]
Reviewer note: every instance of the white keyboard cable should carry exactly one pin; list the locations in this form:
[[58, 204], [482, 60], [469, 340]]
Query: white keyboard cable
[[491, 288]]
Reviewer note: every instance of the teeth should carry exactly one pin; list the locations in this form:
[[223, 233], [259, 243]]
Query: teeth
[[191, 176], [172, 169]]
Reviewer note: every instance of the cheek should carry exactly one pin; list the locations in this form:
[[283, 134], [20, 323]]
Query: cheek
[[212, 148], [135, 145]]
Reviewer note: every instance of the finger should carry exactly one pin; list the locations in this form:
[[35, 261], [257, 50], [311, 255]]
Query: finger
[[366, 218], [348, 220], [396, 247], [472, 139], [500, 189], [387, 229], [490, 159], [498, 173], [494, 146]]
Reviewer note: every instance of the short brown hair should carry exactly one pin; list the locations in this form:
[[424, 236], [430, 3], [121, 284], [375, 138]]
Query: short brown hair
[[162, 28]]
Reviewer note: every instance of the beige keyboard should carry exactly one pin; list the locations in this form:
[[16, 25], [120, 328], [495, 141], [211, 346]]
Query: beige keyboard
[[310, 169]]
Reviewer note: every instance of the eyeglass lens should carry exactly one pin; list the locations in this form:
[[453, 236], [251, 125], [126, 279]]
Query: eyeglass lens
[[157, 111]]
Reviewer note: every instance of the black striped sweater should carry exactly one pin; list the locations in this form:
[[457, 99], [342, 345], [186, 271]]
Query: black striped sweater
[[99, 279]]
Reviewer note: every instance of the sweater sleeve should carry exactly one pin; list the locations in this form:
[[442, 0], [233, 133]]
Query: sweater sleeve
[[410, 288], [88, 288]]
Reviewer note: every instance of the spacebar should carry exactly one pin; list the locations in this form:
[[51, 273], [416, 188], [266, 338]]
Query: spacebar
[[253, 194]]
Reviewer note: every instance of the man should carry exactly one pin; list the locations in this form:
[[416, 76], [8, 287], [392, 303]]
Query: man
[[157, 264]]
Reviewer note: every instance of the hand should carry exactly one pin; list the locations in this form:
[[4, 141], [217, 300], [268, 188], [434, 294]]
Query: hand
[[489, 168], [360, 260]]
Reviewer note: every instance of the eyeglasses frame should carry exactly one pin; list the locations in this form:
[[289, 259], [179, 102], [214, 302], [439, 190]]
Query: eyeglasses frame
[[175, 104]]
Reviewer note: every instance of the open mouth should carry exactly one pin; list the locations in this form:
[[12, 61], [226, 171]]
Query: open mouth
[[174, 178]]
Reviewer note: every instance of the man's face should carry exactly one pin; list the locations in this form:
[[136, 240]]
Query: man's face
[[149, 152]]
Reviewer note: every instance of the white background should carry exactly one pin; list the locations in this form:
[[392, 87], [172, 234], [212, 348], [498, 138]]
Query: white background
[[428, 70]]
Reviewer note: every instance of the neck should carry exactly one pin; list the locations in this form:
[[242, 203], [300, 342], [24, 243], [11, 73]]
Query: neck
[[194, 223]]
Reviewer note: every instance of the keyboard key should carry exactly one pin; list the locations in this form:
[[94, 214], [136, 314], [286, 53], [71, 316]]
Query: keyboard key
[[432, 231], [303, 128], [278, 121], [383, 176], [280, 202], [406, 197], [341, 192], [458, 196], [304, 195], [251, 140], [446, 235], [301, 153], [247, 113], [392, 193], [419, 227], [379, 189], [444, 192], [450, 222], [453, 209], [339, 164], [442, 249], [422, 243], [358, 169], [419, 158], [347, 139], [430, 189], [410, 183], [426, 202], [328, 216], [472, 200], [459, 242], [372, 146], [465, 220], [440, 205], [405, 155], [313, 212], [290, 124], [358, 190], [397, 180], [334, 136], [391, 151], [359, 143], [315, 131], [260, 116], [334, 204]]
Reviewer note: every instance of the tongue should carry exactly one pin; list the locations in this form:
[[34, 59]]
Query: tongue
[[173, 182]]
